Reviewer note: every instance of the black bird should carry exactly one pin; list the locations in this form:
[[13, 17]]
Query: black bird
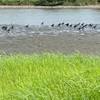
[[71, 25], [82, 24], [67, 24], [90, 25], [12, 26], [75, 26], [42, 23], [8, 30], [52, 25], [59, 24], [82, 27], [63, 23], [4, 27], [85, 25], [78, 24], [79, 28], [27, 26], [94, 26]]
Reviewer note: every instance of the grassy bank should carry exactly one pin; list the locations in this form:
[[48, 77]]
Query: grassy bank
[[49, 2], [49, 77]]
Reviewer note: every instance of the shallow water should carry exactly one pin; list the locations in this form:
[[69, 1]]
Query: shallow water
[[49, 30], [34, 17]]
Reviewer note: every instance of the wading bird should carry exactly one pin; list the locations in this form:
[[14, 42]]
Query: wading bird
[[27, 26], [4, 27], [52, 25], [42, 23]]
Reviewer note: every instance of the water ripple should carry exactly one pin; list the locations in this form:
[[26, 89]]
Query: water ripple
[[80, 29]]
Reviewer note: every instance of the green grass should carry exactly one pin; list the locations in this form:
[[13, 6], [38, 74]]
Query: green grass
[[49, 77]]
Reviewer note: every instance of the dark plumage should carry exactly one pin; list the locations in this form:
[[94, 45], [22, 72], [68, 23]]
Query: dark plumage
[[27, 26], [90, 25], [59, 24], [12, 26], [75, 26], [85, 25], [52, 25], [82, 24], [71, 25], [63, 23], [94, 26], [8, 30], [82, 27], [4, 27], [67, 24], [78, 24], [42, 23], [79, 28]]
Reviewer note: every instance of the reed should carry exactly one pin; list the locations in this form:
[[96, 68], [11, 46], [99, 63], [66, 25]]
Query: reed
[[49, 77]]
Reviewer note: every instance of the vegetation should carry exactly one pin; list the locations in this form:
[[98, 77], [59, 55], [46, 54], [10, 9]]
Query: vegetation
[[67, 2], [49, 77], [49, 2]]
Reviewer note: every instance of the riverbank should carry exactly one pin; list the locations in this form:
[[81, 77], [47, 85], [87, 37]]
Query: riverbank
[[43, 7], [66, 44]]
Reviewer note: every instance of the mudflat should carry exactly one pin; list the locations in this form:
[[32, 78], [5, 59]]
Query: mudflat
[[66, 44]]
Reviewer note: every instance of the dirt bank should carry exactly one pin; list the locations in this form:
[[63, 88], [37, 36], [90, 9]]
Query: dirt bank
[[67, 44]]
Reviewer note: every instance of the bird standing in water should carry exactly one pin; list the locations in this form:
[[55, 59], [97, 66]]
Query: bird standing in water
[[42, 23], [95, 26], [52, 25], [4, 27], [12, 26], [27, 26]]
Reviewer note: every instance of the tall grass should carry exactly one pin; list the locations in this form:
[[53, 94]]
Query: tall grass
[[49, 77]]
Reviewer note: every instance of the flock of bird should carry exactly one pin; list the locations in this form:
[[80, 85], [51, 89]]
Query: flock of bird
[[79, 26], [6, 28]]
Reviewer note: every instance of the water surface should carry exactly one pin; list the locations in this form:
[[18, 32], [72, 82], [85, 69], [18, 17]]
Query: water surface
[[49, 16], [34, 17]]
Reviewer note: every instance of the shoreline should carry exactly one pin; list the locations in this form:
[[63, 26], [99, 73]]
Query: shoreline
[[66, 44], [45, 7]]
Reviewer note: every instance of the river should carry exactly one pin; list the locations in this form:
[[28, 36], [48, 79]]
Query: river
[[34, 17], [49, 16]]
